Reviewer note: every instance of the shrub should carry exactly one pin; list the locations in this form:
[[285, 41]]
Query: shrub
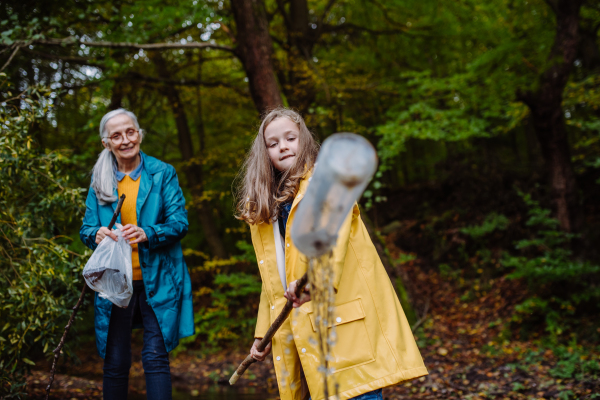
[[233, 296], [39, 273], [559, 284]]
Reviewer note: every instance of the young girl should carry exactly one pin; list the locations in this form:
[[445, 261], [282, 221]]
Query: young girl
[[374, 347]]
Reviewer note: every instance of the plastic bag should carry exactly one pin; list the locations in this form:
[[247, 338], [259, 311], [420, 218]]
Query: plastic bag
[[109, 270]]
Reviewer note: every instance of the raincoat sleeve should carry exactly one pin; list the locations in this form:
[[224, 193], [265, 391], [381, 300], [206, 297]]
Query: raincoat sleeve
[[91, 221], [175, 225], [263, 322], [341, 247]]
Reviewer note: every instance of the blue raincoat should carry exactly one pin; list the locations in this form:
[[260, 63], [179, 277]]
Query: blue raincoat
[[162, 215]]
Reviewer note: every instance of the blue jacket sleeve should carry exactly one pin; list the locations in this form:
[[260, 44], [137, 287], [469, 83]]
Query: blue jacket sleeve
[[91, 221], [175, 225]]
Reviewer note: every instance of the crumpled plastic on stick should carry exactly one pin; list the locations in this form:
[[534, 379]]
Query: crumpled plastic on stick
[[109, 270]]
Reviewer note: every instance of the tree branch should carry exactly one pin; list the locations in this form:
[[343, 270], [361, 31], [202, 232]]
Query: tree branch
[[326, 10], [286, 18], [139, 46], [349, 26], [12, 55], [73, 59]]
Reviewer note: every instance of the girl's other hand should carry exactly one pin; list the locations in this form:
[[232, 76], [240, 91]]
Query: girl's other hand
[[257, 355], [290, 294], [134, 232], [104, 232]]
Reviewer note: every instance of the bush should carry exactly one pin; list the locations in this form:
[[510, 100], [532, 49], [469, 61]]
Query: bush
[[39, 273], [559, 284], [229, 318]]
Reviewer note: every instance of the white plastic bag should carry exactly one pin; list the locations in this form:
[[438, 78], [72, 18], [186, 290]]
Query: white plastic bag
[[109, 270]]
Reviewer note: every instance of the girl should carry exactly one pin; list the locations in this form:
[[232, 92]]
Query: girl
[[375, 347]]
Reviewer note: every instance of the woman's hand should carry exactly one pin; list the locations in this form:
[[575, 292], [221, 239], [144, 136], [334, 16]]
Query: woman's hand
[[104, 232], [257, 355], [290, 294], [134, 232]]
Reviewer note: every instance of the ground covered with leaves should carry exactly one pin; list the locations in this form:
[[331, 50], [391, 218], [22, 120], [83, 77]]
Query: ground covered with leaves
[[462, 337], [461, 343]]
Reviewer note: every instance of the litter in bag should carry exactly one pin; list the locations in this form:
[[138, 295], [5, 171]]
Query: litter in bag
[[109, 270]]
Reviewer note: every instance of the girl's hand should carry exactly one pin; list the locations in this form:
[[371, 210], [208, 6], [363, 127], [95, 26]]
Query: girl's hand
[[290, 294], [104, 232], [257, 355], [131, 231]]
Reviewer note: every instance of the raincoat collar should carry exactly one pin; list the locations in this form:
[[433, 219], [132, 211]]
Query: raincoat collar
[[151, 167], [135, 174]]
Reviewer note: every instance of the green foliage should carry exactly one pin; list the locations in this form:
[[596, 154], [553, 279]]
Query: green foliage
[[570, 360], [248, 254], [39, 274], [231, 317], [574, 360], [426, 81], [558, 283], [491, 223]]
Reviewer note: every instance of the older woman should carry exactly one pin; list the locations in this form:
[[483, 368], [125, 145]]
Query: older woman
[[154, 219]]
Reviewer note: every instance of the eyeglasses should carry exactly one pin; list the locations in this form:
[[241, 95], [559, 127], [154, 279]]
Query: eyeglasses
[[117, 138]]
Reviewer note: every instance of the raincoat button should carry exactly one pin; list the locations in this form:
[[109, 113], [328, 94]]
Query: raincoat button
[[288, 245], [143, 265], [304, 350], [309, 179], [261, 261], [151, 294], [338, 319], [272, 307], [278, 358]]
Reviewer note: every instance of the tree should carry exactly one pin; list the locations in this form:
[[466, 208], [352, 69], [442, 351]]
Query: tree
[[255, 49], [193, 163], [547, 115], [509, 64]]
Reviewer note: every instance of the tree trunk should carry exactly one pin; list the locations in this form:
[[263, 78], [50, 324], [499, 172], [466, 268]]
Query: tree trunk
[[547, 114], [193, 168], [255, 50], [116, 98], [298, 27], [297, 74]]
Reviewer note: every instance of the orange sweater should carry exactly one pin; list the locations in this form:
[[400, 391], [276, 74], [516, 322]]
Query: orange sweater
[[129, 216]]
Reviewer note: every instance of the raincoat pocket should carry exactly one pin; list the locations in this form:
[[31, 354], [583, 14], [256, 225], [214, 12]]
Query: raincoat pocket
[[352, 345], [168, 269]]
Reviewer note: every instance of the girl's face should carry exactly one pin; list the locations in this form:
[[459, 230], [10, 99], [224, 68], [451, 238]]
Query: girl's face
[[281, 139]]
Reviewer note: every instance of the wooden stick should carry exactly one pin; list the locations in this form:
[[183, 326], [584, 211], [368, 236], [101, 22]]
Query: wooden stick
[[58, 348], [62, 340], [271, 332], [117, 212]]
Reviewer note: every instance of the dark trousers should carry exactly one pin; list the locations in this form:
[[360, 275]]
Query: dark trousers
[[155, 358]]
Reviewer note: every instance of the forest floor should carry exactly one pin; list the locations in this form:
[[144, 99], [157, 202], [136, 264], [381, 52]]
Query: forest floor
[[458, 338]]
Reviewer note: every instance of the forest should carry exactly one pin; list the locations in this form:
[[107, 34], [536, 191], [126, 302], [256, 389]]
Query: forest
[[486, 120]]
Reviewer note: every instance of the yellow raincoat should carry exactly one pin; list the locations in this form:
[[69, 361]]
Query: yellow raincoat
[[375, 347]]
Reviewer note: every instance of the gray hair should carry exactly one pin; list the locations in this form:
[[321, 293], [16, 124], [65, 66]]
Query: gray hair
[[104, 180]]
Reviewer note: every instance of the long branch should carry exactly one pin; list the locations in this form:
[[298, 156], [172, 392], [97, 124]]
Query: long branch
[[12, 55], [127, 45], [249, 360], [62, 339]]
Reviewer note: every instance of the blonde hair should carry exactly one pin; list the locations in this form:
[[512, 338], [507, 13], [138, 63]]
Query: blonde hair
[[263, 189]]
